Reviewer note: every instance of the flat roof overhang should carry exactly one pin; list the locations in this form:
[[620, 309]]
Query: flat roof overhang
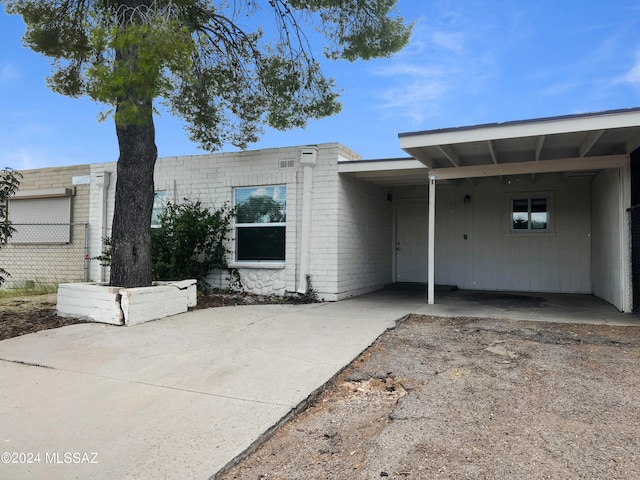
[[388, 173], [570, 144]]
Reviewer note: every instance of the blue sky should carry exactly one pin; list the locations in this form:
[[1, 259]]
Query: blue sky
[[469, 62]]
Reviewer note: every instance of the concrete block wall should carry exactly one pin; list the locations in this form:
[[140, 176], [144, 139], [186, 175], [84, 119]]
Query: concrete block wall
[[50, 263], [365, 221], [211, 179], [323, 261], [323, 233]]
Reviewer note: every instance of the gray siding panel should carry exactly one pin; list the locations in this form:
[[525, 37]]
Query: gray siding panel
[[493, 259]]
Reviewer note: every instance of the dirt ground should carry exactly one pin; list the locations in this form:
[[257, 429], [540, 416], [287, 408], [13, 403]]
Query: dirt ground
[[450, 399], [29, 314], [470, 399]]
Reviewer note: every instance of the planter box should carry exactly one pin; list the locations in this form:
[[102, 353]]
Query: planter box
[[125, 306]]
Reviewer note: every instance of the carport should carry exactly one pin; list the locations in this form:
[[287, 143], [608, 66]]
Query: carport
[[537, 205]]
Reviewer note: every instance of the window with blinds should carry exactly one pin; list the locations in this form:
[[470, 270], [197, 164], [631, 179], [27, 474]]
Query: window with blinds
[[260, 227]]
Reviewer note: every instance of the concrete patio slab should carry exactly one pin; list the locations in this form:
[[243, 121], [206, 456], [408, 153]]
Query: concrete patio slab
[[541, 307]]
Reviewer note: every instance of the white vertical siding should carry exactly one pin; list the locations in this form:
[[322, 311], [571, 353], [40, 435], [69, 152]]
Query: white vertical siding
[[491, 258], [606, 241]]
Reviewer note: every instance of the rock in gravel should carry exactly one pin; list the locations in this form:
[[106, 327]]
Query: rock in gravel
[[356, 376]]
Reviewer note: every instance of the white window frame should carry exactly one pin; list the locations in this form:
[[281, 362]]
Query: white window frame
[[237, 225]]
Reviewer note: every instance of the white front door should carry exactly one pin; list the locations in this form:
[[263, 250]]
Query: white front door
[[411, 242]]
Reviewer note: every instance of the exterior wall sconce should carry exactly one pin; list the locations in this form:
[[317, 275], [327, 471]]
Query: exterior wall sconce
[[467, 199]]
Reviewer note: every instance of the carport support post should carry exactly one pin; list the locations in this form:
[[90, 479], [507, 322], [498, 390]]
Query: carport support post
[[431, 271]]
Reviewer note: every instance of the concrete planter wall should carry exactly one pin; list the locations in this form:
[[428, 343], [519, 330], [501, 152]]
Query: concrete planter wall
[[125, 306]]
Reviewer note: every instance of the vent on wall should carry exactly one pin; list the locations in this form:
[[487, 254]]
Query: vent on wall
[[582, 174], [287, 164]]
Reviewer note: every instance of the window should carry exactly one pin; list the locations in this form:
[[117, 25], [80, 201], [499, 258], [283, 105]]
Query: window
[[159, 203], [529, 214], [260, 223]]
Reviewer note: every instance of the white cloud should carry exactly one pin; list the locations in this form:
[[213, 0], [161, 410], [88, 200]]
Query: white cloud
[[24, 159], [633, 75], [452, 41], [416, 97], [27, 157], [440, 61], [563, 88], [8, 73]]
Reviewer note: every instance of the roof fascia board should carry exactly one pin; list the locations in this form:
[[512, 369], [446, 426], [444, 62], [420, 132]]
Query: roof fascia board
[[393, 174], [519, 168], [525, 129], [380, 165]]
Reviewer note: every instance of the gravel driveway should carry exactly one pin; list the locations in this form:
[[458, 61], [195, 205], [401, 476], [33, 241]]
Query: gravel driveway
[[468, 398]]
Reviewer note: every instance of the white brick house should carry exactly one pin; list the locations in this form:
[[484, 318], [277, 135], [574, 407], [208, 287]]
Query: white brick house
[[325, 229], [538, 206]]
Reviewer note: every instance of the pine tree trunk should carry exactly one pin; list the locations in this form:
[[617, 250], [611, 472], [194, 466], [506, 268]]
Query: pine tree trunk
[[131, 229]]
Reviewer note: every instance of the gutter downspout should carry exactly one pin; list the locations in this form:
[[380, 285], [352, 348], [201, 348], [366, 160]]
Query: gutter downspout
[[102, 182], [308, 158]]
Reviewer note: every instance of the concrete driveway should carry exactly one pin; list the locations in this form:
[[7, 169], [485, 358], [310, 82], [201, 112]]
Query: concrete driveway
[[181, 397], [177, 398]]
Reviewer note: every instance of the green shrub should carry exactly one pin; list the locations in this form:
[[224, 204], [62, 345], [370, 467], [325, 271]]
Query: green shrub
[[9, 184], [190, 242]]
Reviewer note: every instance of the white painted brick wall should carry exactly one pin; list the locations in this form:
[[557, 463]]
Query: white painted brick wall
[[341, 234], [365, 222], [323, 268], [211, 178]]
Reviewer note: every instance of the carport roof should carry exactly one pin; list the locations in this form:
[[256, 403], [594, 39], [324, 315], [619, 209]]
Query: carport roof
[[570, 143]]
